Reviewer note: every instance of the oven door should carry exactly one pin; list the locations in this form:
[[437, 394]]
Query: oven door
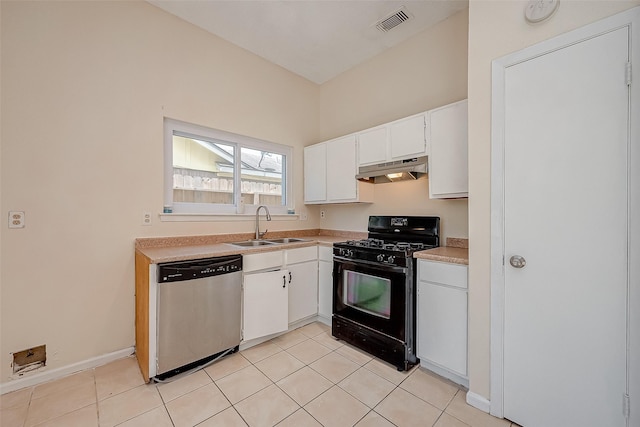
[[371, 294]]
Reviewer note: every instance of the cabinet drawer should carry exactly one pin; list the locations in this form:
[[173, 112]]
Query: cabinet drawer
[[262, 261], [443, 273], [325, 253], [294, 256]]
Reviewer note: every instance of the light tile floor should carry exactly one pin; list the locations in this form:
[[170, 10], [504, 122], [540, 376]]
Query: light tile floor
[[303, 378]]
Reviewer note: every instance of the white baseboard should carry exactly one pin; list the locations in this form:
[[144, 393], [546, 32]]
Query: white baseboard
[[478, 402], [42, 376], [458, 379], [325, 320]]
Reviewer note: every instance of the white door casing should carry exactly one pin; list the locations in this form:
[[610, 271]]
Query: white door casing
[[564, 160]]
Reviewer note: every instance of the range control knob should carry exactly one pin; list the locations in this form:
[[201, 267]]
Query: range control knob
[[380, 258], [391, 259]]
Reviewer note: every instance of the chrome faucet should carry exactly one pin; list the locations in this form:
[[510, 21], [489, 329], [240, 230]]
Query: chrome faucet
[[258, 233]]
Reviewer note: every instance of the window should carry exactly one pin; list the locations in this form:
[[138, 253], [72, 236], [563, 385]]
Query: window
[[217, 172]]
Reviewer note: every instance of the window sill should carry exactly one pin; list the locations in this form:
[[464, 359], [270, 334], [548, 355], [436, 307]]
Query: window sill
[[198, 217]]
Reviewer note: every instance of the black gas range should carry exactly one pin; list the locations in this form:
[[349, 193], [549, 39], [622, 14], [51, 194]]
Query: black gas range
[[374, 286], [379, 250]]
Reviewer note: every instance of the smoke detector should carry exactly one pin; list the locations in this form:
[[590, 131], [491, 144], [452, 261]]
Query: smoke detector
[[396, 18]]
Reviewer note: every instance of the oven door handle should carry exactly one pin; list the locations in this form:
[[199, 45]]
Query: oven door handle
[[377, 265]]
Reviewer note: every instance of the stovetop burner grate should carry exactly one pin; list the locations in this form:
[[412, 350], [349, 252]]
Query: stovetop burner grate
[[387, 245]]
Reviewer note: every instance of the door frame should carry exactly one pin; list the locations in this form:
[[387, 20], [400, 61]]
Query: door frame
[[630, 19]]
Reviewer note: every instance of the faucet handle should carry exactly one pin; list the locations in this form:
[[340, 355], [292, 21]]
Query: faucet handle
[[261, 235]]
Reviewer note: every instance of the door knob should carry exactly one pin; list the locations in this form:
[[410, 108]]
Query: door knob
[[517, 261]]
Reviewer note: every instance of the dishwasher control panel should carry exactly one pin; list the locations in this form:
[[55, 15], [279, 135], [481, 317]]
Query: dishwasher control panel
[[196, 269]]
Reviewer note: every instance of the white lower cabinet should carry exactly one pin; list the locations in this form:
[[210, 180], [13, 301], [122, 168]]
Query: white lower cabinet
[[325, 282], [281, 288], [442, 319], [265, 304], [302, 265]]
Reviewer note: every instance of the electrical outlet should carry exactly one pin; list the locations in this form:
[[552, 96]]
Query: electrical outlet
[[322, 214], [16, 219], [146, 218]]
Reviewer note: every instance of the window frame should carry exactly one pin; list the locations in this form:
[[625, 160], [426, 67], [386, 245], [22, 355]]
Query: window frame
[[176, 127]]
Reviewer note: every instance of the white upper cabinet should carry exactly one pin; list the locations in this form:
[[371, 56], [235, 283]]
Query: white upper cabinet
[[341, 169], [330, 170], [315, 173], [399, 140], [407, 137], [448, 160], [372, 145]]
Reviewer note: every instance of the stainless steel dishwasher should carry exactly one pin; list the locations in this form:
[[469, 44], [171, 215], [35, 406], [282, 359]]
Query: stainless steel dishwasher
[[199, 313]]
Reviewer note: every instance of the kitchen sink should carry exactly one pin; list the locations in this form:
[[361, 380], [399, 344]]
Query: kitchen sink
[[252, 243], [288, 240], [265, 242]]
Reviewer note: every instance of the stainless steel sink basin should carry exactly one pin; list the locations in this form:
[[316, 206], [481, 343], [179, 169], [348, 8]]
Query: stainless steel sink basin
[[288, 240], [252, 243]]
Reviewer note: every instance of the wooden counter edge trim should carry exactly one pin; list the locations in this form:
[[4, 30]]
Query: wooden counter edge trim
[[142, 313]]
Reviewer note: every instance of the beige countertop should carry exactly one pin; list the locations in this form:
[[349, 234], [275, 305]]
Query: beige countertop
[[445, 254], [456, 252], [184, 248]]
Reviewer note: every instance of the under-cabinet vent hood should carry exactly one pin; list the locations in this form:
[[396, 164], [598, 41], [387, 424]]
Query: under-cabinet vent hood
[[401, 170]]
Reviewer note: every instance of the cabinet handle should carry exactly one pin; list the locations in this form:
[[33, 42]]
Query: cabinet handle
[[284, 281], [289, 277]]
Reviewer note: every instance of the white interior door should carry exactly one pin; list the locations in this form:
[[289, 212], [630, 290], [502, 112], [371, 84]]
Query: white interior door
[[565, 212]]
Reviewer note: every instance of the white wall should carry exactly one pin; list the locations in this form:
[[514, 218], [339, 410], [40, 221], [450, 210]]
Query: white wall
[[427, 71], [497, 28], [85, 86]]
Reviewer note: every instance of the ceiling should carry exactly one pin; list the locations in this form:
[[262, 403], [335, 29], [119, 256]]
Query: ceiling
[[316, 39]]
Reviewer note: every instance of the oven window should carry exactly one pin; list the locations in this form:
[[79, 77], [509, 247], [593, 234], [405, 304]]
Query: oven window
[[367, 293]]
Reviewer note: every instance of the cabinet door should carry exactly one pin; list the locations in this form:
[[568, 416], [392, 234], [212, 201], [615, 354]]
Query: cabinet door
[[265, 309], [407, 137], [442, 326], [325, 289], [448, 170], [372, 146], [315, 173], [303, 290], [341, 169]]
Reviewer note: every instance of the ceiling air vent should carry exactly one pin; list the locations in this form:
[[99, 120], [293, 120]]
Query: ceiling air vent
[[393, 20]]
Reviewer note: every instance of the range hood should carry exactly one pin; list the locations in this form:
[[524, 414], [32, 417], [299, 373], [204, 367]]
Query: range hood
[[401, 170]]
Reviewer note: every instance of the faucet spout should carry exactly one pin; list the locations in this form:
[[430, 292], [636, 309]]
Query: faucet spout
[[259, 235]]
